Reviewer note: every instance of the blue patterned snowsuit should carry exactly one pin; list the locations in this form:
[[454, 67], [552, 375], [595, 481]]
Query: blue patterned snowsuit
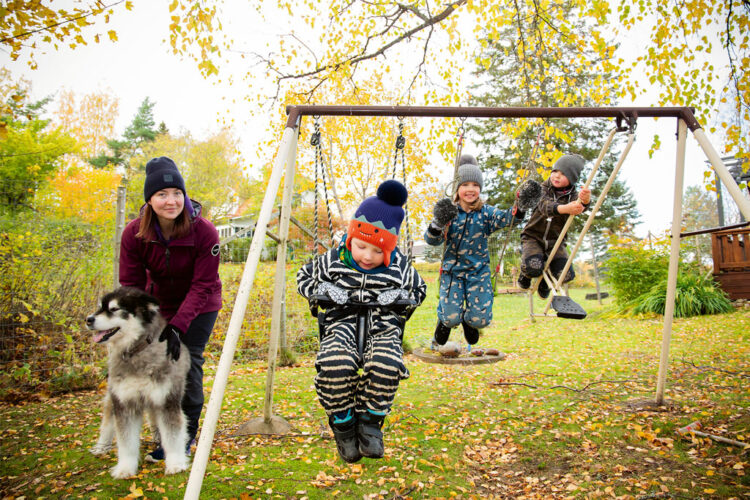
[[465, 280]]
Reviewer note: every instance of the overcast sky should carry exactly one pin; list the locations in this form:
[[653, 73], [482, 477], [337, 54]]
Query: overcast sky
[[141, 65]]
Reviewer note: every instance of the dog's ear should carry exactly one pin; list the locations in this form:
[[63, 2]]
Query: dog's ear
[[104, 304]]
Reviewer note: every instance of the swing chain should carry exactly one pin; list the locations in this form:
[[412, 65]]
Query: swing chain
[[629, 126], [315, 141], [400, 140], [399, 148]]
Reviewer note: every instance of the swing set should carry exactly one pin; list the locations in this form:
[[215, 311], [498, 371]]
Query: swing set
[[284, 165]]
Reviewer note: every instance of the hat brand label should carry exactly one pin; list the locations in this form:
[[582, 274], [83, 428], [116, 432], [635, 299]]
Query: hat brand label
[[168, 178]]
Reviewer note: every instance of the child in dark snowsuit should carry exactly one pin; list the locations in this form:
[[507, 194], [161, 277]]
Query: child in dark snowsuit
[[559, 199], [464, 224], [365, 267]]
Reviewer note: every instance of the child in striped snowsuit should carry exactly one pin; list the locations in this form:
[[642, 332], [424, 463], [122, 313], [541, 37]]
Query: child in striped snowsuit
[[364, 266], [464, 224]]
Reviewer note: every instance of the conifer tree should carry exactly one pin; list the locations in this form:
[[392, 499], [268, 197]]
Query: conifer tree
[[534, 75]]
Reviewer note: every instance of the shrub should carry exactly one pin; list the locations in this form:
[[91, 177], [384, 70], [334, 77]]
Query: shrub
[[695, 295], [52, 274], [632, 271]]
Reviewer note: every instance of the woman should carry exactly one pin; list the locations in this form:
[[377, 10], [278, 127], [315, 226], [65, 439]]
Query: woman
[[171, 252]]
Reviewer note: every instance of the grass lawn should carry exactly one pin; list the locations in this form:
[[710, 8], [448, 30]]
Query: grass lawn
[[560, 417]]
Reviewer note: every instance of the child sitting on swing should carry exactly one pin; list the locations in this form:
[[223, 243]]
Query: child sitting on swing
[[559, 199], [465, 224], [364, 266]]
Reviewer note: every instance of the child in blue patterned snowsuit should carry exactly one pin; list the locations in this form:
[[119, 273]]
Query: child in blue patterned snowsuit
[[465, 280]]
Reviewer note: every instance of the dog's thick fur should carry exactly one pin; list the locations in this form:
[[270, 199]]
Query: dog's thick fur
[[142, 379]]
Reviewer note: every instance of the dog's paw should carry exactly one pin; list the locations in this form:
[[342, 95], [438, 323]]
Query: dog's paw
[[175, 466], [120, 471], [100, 449]]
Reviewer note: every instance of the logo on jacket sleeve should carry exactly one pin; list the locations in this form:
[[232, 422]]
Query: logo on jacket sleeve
[[215, 250]]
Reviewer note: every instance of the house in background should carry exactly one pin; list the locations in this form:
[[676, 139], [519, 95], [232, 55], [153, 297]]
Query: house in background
[[237, 223]]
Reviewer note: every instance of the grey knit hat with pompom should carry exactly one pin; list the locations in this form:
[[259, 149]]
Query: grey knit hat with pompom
[[468, 171]]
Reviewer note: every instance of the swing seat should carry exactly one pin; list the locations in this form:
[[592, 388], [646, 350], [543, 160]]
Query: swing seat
[[567, 307]]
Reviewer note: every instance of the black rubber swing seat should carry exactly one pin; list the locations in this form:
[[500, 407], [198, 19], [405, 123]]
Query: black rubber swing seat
[[567, 307]]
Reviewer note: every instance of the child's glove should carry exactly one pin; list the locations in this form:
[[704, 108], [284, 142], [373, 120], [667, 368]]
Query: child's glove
[[172, 335], [443, 212]]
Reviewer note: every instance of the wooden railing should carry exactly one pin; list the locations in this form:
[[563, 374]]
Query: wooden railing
[[731, 250]]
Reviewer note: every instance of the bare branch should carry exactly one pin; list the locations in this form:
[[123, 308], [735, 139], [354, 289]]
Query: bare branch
[[354, 60]]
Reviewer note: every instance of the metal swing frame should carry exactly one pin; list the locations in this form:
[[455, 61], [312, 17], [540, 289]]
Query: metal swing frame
[[284, 164]]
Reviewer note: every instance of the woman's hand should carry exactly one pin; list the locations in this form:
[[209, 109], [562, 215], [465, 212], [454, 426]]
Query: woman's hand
[[172, 335]]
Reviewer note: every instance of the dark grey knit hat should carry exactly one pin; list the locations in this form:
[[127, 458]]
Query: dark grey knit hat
[[468, 171], [570, 166], [161, 173]]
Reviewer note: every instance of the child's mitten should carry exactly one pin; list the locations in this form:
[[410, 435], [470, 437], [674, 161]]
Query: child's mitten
[[529, 195], [335, 293], [444, 212]]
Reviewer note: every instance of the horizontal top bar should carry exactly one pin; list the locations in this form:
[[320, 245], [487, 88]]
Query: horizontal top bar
[[715, 229], [686, 113]]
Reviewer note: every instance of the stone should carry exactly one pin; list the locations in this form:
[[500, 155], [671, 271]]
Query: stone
[[450, 349]]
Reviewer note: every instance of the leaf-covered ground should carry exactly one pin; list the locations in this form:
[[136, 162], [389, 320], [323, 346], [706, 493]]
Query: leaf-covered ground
[[566, 415]]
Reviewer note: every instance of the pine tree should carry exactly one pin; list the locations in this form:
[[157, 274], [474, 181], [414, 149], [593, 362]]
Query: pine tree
[[540, 75], [140, 131]]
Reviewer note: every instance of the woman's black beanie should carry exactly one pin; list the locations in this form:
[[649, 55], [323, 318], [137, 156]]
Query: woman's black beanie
[[161, 173]]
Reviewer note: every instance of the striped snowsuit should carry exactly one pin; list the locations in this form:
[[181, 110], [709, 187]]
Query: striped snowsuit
[[465, 279], [339, 385]]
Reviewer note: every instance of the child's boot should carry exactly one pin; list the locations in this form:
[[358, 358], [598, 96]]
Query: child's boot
[[345, 432], [543, 289], [524, 282], [442, 333], [370, 435], [471, 334]]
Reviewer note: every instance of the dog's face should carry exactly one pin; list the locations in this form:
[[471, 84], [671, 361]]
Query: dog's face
[[126, 311]]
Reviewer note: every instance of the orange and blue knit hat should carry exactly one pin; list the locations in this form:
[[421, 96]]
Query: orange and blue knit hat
[[378, 219]]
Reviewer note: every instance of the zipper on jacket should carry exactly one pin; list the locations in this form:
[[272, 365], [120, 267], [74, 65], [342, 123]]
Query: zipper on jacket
[[461, 238], [544, 238], [362, 288], [549, 220]]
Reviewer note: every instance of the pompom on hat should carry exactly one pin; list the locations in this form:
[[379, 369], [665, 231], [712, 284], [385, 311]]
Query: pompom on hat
[[571, 167], [378, 219], [468, 171], [161, 173]]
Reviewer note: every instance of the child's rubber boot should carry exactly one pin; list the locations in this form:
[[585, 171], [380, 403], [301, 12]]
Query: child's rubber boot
[[543, 289], [524, 282], [345, 434], [442, 333], [471, 334], [370, 434]]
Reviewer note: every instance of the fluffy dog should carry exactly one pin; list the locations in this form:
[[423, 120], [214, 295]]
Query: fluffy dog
[[142, 379]]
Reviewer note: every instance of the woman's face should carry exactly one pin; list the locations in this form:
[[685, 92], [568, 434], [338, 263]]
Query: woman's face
[[468, 192], [168, 203]]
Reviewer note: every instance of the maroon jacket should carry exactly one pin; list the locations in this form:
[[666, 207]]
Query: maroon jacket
[[183, 273]]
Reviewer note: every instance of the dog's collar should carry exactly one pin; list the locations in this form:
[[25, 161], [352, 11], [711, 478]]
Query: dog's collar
[[136, 348]]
